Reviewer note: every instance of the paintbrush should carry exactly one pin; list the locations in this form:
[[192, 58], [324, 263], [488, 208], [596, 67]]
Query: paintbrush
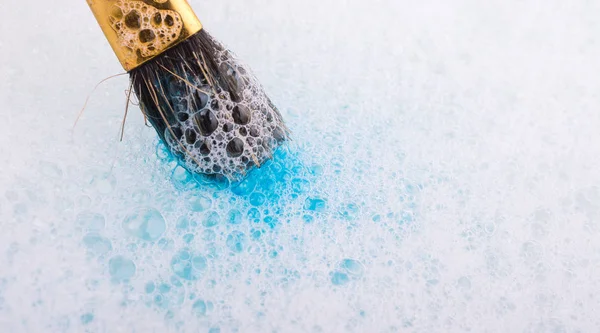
[[206, 106]]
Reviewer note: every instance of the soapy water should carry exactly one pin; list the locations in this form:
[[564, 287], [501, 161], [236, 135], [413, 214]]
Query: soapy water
[[443, 177], [189, 252]]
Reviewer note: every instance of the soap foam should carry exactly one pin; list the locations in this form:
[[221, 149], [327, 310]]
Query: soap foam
[[443, 177]]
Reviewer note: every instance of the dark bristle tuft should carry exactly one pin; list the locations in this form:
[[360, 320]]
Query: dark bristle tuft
[[199, 98]]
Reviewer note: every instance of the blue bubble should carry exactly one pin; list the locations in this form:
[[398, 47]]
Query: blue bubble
[[150, 287], [163, 152], [339, 278], [188, 238], [199, 308], [218, 183], [183, 223], [202, 307], [352, 267], [147, 224], [300, 186], [245, 187], [188, 266], [182, 179], [181, 175], [87, 318], [209, 235], [97, 244], [267, 185], [211, 220], [406, 217], [184, 255], [121, 268], [315, 204], [236, 242], [165, 201], [164, 288], [175, 282], [234, 217], [256, 234], [349, 211], [277, 169], [274, 198], [254, 215], [257, 199], [316, 170], [159, 300], [199, 203], [271, 221]]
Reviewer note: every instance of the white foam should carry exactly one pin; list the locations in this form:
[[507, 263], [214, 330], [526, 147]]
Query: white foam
[[445, 156]]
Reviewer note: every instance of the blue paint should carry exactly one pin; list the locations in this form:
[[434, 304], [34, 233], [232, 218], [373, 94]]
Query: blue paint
[[246, 187], [257, 199]]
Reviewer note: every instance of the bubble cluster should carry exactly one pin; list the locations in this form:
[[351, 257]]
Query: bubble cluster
[[147, 224], [144, 29], [446, 182], [218, 131], [188, 265]]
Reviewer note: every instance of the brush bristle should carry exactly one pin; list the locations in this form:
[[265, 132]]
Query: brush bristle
[[209, 109]]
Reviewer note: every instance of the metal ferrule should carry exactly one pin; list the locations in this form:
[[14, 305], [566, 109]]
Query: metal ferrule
[[139, 30]]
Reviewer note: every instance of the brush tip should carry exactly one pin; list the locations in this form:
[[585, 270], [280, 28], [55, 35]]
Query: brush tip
[[209, 108]]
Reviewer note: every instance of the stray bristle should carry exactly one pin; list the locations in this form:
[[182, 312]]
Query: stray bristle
[[208, 108]]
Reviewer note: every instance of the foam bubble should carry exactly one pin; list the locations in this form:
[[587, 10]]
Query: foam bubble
[[145, 29], [121, 268], [146, 223]]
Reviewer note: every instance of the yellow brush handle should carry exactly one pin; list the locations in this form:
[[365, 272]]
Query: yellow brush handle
[[139, 30]]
